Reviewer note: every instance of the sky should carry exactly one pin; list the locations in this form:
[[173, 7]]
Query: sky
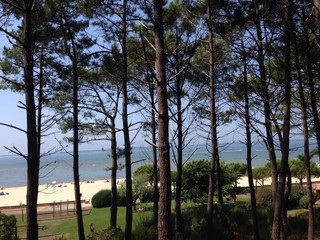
[[15, 116], [12, 115]]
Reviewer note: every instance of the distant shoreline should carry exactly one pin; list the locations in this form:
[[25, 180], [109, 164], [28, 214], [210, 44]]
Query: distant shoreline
[[64, 192], [16, 196]]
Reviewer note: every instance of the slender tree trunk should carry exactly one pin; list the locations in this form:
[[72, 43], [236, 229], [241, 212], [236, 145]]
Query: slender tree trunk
[[114, 207], [266, 101], [284, 144], [212, 127], [33, 158], [307, 157], [311, 85], [153, 133], [155, 166], [127, 144], [164, 217], [40, 102], [76, 177], [179, 154], [286, 228], [249, 151]]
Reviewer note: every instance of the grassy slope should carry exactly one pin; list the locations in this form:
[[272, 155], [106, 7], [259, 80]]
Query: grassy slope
[[100, 218]]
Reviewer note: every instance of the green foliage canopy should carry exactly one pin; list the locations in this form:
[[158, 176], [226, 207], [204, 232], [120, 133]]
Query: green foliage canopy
[[195, 181]]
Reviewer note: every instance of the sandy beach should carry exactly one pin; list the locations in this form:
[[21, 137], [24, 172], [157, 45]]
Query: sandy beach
[[53, 192], [56, 192]]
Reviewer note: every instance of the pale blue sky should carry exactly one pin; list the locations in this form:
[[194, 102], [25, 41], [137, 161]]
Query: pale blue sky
[[11, 114]]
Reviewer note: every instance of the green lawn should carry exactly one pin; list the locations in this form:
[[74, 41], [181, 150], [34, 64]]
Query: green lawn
[[100, 218]]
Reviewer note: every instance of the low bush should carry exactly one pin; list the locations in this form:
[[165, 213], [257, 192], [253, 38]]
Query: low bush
[[8, 228], [121, 197], [303, 202], [144, 229], [107, 234], [101, 199], [297, 192], [147, 195], [264, 197]]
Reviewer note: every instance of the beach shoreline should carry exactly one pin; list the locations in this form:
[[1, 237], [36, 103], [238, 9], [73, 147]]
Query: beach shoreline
[[54, 192], [64, 192]]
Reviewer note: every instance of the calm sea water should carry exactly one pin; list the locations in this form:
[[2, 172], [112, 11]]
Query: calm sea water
[[93, 164]]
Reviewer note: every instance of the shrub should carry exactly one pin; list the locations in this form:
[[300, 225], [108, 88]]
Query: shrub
[[145, 229], [298, 226], [8, 228], [101, 199], [264, 197], [147, 195], [303, 202], [238, 219], [121, 196], [107, 234], [297, 192]]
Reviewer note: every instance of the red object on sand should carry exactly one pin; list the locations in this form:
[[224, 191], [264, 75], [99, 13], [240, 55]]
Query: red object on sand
[[318, 190]]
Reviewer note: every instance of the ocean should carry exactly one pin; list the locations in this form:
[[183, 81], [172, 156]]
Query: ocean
[[58, 167]]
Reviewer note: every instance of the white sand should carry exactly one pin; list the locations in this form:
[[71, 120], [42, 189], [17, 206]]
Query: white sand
[[47, 194], [243, 182]]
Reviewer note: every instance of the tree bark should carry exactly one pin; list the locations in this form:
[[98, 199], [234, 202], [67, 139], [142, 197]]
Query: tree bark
[[126, 133], [114, 207], [255, 224], [33, 158], [212, 176], [179, 153], [76, 177], [266, 101], [284, 144], [311, 85], [155, 166], [164, 217], [307, 157]]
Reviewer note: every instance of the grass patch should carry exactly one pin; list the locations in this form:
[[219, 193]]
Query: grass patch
[[296, 212], [99, 217]]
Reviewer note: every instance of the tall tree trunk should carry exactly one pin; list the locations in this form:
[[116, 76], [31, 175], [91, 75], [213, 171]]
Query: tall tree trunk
[[40, 102], [307, 157], [266, 101], [311, 85], [285, 225], [284, 144], [179, 153], [212, 127], [151, 88], [114, 157], [164, 217], [127, 144], [76, 177], [155, 166], [33, 158], [249, 150]]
